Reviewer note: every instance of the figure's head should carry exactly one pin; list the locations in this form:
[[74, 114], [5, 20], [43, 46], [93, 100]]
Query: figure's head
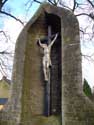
[[43, 42]]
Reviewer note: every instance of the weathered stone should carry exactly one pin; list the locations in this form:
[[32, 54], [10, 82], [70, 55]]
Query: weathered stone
[[76, 107]]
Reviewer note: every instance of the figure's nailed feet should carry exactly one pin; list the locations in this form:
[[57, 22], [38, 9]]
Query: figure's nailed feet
[[44, 84], [46, 80]]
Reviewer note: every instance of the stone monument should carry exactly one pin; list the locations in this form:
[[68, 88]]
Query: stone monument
[[29, 103]]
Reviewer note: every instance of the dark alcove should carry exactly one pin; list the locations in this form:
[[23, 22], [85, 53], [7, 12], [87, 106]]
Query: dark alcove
[[55, 72]]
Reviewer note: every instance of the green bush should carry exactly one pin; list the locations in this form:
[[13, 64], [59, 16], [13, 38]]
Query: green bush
[[87, 89]]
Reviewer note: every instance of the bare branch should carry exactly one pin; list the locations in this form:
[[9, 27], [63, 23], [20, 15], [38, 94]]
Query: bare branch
[[91, 15], [4, 35], [61, 3], [4, 52], [55, 2], [88, 57], [51, 2], [3, 12], [74, 6], [91, 3], [1, 68], [37, 1], [2, 71], [81, 14], [2, 3], [5, 1], [5, 66], [82, 31], [27, 3]]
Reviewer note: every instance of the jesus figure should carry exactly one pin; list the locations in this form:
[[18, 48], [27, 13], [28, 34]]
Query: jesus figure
[[46, 57]]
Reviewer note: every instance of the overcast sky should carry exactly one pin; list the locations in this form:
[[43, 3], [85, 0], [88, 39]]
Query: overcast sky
[[13, 29]]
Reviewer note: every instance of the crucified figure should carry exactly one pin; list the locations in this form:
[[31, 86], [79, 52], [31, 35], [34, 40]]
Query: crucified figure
[[47, 58]]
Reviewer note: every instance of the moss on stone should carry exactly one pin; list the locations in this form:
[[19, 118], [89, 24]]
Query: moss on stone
[[51, 120], [8, 122], [3, 122]]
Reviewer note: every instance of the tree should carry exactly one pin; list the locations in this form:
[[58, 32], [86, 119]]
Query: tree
[[87, 89], [4, 54], [2, 3], [79, 8]]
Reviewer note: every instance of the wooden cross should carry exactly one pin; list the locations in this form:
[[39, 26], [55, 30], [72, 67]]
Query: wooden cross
[[48, 83]]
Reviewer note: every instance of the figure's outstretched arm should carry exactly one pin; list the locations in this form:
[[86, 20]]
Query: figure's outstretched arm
[[53, 40], [40, 43]]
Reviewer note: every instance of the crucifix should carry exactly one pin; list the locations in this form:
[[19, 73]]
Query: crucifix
[[47, 52], [47, 65], [48, 85]]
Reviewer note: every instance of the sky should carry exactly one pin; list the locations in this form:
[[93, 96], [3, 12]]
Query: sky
[[25, 11]]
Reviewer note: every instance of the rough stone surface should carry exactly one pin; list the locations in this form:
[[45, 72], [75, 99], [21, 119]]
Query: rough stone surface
[[26, 104], [76, 107]]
